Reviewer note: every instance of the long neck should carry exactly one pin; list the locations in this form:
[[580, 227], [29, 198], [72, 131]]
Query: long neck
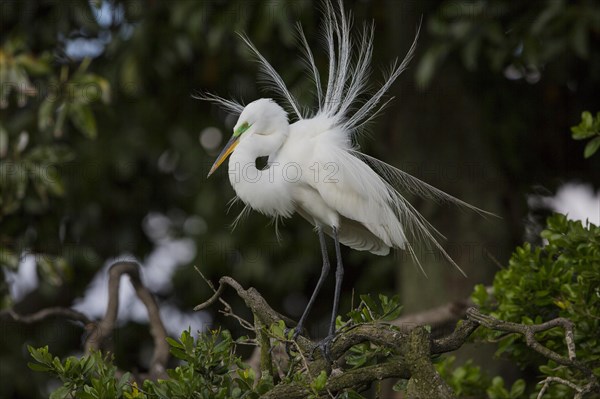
[[264, 190], [242, 166]]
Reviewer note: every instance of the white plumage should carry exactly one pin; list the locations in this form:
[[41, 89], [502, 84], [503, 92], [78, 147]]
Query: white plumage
[[314, 166], [313, 171]]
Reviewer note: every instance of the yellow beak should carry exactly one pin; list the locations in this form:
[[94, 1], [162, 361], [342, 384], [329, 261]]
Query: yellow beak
[[233, 142]]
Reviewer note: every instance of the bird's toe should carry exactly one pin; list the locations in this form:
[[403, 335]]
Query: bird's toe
[[324, 346], [297, 331]]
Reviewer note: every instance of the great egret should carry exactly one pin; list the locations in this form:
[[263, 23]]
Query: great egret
[[314, 166]]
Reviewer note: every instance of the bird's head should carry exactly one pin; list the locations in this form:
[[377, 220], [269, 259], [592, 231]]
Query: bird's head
[[262, 121]]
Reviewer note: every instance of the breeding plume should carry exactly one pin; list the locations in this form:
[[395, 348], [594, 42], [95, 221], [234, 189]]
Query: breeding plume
[[314, 166]]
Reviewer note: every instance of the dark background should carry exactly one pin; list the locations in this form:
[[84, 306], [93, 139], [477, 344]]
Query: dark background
[[483, 113]]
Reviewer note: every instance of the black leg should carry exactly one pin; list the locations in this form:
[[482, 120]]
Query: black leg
[[324, 273], [339, 276], [325, 345]]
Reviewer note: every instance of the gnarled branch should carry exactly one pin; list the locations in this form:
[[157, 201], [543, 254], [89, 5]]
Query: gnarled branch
[[106, 326], [98, 332], [529, 331], [411, 348], [47, 313]]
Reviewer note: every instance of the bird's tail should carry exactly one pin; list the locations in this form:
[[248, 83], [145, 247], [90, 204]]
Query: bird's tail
[[416, 227]]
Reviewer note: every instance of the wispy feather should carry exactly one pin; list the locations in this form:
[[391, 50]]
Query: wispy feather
[[273, 77], [345, 105], [228, 105]]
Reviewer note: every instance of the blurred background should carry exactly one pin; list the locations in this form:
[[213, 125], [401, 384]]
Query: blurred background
[[104, 154]]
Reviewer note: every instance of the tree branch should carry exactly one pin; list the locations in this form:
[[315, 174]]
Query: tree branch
[[529, 331], [436, 317], [98, 332], [581, 391], [43, 314], [106, 326], [411, 349]]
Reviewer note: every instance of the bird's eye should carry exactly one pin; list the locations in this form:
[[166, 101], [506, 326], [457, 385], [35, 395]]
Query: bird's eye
[[240, 130], [262, 163]]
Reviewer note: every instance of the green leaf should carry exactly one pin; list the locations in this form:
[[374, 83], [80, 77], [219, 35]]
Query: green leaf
[[278, 330], [61, 393], [591, 147], [588, 127], [88, 364], [38, 367], [517, 389], [480, 295], [497, 390], [174, 343], [40, 355], [82, 117], [178, 353], [587, 120], [123, 381], [318, 384]]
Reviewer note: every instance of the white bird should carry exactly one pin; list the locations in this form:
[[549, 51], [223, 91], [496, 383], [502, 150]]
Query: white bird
[[314, 165]]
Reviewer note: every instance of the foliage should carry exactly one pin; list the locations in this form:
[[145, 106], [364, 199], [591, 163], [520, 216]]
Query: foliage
[[523, 35], [81, 170], [384, 309], [469, 381], [588, 128], [96, 120], [560, 279], [369, 310], [33, 153], [90, 377], [209, 369]]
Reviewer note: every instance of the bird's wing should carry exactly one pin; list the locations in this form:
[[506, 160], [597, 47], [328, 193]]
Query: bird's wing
[[350, 187], [352, 234], [417, 228], [361, 188]]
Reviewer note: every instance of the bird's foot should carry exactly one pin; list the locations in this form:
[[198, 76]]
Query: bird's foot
[[324, 346], [296, 333]]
